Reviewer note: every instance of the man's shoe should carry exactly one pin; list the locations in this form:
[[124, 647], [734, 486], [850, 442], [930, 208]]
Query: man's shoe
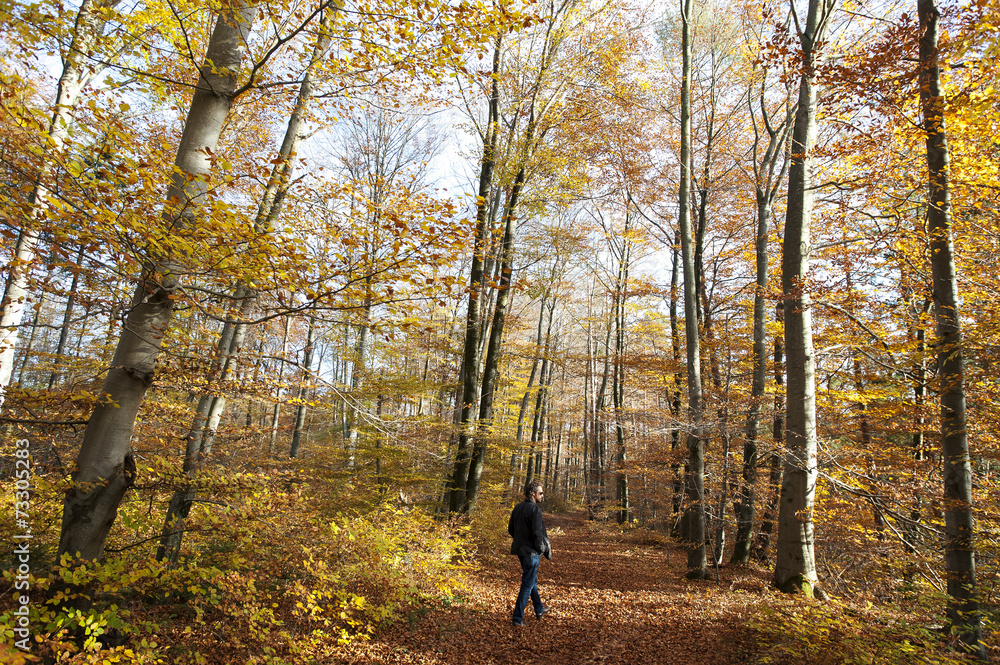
[[539, 615], [515, 624]]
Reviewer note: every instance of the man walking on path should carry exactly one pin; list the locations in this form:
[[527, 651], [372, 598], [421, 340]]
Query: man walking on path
[[531, 542]]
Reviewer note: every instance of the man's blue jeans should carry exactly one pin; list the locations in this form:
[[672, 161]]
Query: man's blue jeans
[[529, 587]]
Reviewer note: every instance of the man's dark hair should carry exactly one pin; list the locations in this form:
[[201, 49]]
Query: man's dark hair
[[531, 487]]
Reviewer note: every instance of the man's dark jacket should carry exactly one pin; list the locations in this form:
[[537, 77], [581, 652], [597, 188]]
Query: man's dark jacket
[[528, 530]]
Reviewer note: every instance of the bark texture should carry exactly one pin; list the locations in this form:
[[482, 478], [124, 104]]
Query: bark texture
[[768, 176], [959, 546], [471, 354], [795, 565], [694, 518]]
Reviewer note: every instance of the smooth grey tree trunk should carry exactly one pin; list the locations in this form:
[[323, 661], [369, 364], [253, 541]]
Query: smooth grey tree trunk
[[276, 413], [768, 178], [67, 320], [523, 410], [694, 518], [588, 377], [674, 396], [357, 378], [105, 466], [600, 422], [300, 410], [959, 541], [762, 539], [618, 377], [795, 566], [470, 358], [538, 419]]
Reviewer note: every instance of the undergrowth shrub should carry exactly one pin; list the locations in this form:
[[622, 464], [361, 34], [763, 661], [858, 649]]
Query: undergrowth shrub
[[556, 502], [273, 569], [487, 535], [793, 631]]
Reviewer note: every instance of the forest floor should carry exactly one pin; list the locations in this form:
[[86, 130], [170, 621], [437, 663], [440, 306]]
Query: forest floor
[[612, 601]]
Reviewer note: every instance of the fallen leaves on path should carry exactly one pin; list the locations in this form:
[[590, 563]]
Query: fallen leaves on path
[[612, 602]]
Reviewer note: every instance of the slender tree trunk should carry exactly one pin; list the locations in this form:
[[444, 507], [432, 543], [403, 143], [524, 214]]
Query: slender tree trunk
[[496, 337], [677, 485], [199, 440], [470, 361], [587, 391], [67, 319], [919, 388], [538, 417], [762, 541], [618, 379], [766, 190], [701, 225], [300, 411], [523, 410], [212, 405], [865, 438], [357, 378], [795, 568], [719, 541], [276, 413], [254, 381], [84, 329], [694, 518], [959, 545], [29, 347], [543, 420], [600, 423], [748, 494]]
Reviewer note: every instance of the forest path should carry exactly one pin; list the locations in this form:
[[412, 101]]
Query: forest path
[[611, 602]]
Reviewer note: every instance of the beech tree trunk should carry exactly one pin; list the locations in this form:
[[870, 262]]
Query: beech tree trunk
[[694, 517], [959, 545], [523, 410], [354, 410], [795, 567], [675, 398], [470, 359], [538, 415], [762, 540], [105, 466], [618, 378], [506, 269], [600, 422], [67, 320], [300, 410], [276, 413], [29, 347], [768, 179]]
